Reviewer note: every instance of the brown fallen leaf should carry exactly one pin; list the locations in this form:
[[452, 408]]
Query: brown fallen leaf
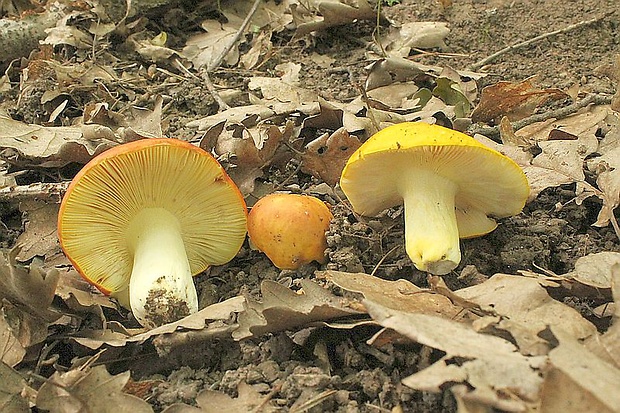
[[326, 156], [204, 48], [595, 270], [332, 13], [253, 149], [208, 323], [607, 346], [29, 289], [283, 309], [512, 99], [415, 35], [399, 295], [12, 352], [607, 168], [13, 390], [210, 401], [49, 147], [526, 309], [89, 389], [577, 381], [39, 237], [498, 375]]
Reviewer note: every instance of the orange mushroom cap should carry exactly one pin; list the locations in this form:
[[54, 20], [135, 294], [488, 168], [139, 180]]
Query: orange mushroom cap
[[290, 229], [162, 199]]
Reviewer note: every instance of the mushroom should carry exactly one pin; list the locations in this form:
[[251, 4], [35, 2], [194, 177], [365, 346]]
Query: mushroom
[[141, 218], [448, 182], [290, 229]]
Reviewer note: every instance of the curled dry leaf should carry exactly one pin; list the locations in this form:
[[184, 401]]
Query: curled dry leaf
[[561, 161], [399, 295], [208, 323], [514, 100], [282, 309], [326, 156], [89, 390]]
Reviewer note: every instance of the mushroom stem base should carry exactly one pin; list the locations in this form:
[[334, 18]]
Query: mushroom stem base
[[161, 288], [431, 230]]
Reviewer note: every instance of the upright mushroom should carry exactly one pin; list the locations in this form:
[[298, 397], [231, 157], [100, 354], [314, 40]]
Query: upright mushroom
[[140, 219], [448, 182]]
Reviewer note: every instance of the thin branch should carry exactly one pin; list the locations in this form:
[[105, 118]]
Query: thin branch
[[528, 42], [220, 58], [211, 88], [493, 131]]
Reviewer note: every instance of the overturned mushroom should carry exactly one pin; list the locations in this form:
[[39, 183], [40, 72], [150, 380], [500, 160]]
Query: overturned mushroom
[[448, 182], [140, 219]]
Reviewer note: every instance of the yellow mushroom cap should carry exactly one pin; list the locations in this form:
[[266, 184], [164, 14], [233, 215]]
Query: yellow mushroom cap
[[488, 181], [415, 160], [113, 188], [290, 229]]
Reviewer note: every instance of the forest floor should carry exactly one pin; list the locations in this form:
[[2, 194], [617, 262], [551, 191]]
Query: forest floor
[[321, 364]]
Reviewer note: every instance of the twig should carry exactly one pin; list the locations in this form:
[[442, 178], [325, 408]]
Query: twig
[[220, 58], [49, 192], [211, 88], [493, 131], [528, 42]]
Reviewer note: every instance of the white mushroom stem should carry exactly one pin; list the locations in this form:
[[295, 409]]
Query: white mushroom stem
[[431, 231], [161, 288]]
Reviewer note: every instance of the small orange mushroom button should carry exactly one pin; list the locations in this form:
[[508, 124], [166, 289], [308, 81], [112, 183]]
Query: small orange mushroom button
[[290, 229]]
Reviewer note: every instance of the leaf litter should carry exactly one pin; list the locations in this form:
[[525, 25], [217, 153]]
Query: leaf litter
[[506, 341]]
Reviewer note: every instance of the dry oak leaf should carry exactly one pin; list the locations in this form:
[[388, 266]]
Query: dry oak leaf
[[577, 381], [332, 13], [39, 237], [210, 401], [12, 352], [13, 387], [512, 99], [326, 156], [253, 149], [607, 346], [31, 290], [416, 35], [89, 390], [202, 49], [498, 375], [525, 309], [283, 309], [209, 322], [48, 147], [595, 270], [399, 295]]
